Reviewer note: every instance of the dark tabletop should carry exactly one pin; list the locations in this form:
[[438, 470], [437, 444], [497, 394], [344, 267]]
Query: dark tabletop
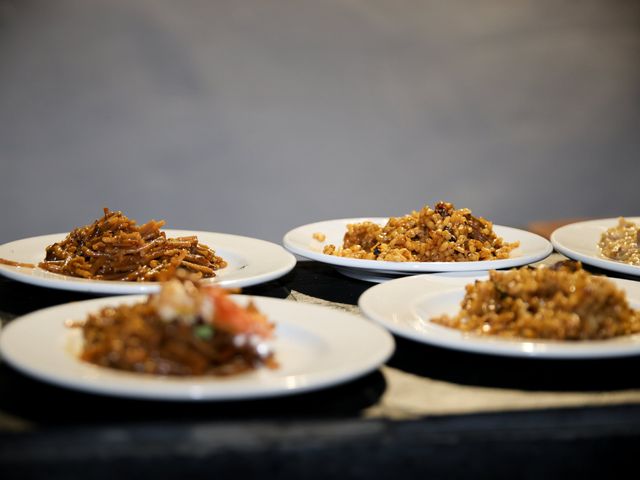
[[569, 417]]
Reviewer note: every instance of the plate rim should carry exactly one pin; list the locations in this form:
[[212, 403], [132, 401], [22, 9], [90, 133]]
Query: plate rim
[[473, 343], [282, 260], [199, 388], [595, 261], [412, 267]]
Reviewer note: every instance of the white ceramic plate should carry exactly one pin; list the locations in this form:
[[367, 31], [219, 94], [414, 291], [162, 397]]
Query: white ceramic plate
[[301, 242], [250, 262], [316, 347], [406, 305], [580, 242]]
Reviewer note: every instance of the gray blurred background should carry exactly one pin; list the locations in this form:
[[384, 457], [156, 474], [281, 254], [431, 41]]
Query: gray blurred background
[[253, 117]]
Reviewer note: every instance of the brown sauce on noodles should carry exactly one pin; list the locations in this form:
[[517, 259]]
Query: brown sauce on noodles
[[115, 247]]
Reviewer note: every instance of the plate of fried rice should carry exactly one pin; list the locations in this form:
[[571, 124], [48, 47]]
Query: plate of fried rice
[[439, 239], [558, 311], [608, 243]]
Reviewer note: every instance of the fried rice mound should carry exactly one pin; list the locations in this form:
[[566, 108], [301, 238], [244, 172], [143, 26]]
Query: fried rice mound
[[561, 302], [441, 234]]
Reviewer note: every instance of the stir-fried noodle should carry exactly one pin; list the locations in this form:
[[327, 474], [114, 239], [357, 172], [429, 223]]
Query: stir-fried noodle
[[114, 247]]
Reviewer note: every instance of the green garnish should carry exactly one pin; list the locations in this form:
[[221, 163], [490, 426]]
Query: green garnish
[[203, 332]]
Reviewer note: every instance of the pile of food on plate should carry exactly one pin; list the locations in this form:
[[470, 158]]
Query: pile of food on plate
[[114, 247], [560, 302], [185, 329], [441, 234], [622, 242]]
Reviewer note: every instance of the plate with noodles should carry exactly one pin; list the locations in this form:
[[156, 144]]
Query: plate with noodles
[[312, 348], [559, 311], [249, 261], [115, 254], [609, 243], [441, 239]]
